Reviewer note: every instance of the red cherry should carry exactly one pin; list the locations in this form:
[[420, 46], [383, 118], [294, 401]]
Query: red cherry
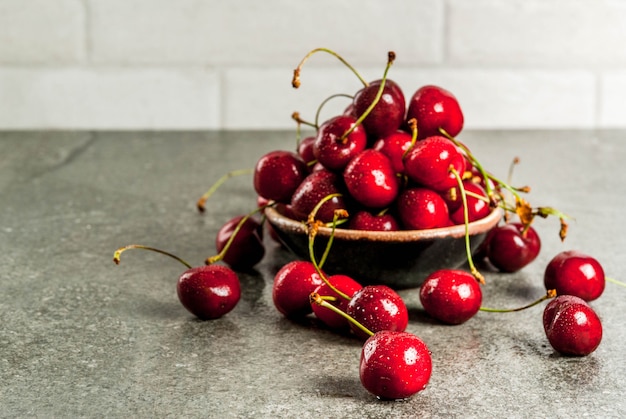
[[387, 115], [574, 273], [451, 296], [247, 248], [293, 284], [476, 208], [333, 148], [209, 292], [572, 326], [346, 285], [371, 180], [394, 146], [365, 220], [429, 161], [305, 149], [395, 365], [510, 246], [421, 208], [312, 190], [377, 307], [278, 173], [434, 107]]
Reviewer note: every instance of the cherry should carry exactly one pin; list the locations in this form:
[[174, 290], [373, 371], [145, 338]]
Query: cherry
[[572, 326], [348, 287], [365, 220], [305, 150], [394, 365], [371, 179], [293, 284], [313, 189], [394, 146], [332, 148], [477, 204], [278, 173], [435, 108], [451, 296], [512, 246], [247, 248], [377, 307], [208, 292], [422, 208], [387, 115], [574, 273], [429, 161]]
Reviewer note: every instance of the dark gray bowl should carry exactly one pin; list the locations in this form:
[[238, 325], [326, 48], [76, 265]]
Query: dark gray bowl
[[401, 259]]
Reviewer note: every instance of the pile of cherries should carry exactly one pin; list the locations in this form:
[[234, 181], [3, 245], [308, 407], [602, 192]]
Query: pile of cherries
[[385, 164]]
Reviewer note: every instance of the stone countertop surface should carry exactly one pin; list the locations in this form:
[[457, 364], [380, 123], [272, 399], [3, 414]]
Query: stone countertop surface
[[82, 337]]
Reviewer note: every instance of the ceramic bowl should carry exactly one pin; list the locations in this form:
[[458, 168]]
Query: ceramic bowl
[[399, 259]]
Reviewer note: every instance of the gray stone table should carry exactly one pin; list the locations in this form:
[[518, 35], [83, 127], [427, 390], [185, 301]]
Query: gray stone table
[[82, 337]]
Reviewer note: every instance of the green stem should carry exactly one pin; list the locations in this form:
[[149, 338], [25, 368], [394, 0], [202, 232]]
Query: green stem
[[202, 201], [295, 82], [315, 298], [468, 248], [379, 94], [547, 296], [118, 252], [319, 108], [220, 255], [615, 281]]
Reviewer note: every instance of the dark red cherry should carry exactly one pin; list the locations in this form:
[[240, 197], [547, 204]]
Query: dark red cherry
[[332, 148], [377, 307], [305, 149], [347, 286], [312, 190], [278, 173], [387, 115], [429, 161], [247, 248], [422, 208], [394, 365], [293, 284], [434, 107], [476, 208], [451, 296], [394, 146], [365, 220], [574, 273], [511, 246], [209, 291], [572, 326], [371, 179]]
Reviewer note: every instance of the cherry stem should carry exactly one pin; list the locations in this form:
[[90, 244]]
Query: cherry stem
[[296, 117], [413, 126], [391, 56], [202, 201], [315, 298], [615, 281], [118, 252], [220, 255], [468, 248], [312, 226], [295, 81], [549, 294], [319, 108]]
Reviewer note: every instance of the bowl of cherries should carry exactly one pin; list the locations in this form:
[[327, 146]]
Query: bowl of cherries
[[387, 182]]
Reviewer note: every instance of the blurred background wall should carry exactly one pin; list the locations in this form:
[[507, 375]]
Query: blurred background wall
[[211, 64]]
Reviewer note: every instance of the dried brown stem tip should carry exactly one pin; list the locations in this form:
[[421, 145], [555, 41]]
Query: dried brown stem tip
[[295, 81]]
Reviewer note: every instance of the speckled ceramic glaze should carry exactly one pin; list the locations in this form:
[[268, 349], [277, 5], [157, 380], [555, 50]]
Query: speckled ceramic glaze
[[399, 259]]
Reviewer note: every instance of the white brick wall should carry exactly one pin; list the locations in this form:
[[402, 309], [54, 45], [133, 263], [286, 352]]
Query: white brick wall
[[209, 64]]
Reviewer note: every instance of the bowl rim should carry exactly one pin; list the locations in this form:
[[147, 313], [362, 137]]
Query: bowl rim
[[483, 225]]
